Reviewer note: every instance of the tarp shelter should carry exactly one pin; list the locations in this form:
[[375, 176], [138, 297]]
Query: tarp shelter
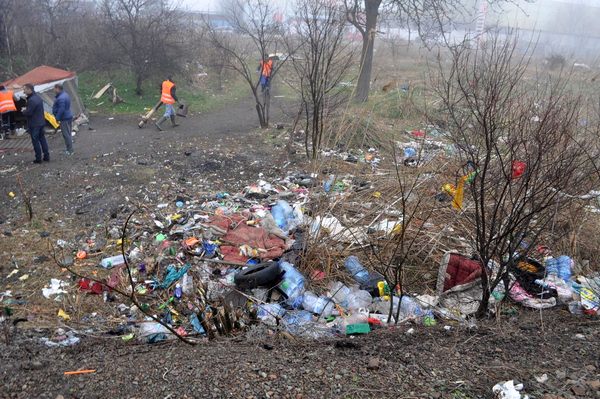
[[43, 78]]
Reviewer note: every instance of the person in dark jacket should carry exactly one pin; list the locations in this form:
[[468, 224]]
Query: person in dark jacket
[[62, 112], [35, 123]]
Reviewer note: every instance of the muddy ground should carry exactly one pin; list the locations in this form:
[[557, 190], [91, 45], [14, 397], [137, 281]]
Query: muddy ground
[[118, 167]]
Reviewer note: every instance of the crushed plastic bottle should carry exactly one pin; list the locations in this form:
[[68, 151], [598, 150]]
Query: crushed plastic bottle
[[321, 306], [187, 284], [359, 299], [295, 320], [339, 293], [282, 212], [113, 261], [357, 270], [292, 284], [268, 313], [409, 308]]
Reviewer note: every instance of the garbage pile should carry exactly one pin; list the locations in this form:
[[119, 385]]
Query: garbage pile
[[218, 264], [532, 284]]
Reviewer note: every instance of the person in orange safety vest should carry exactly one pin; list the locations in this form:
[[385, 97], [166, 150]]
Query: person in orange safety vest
[[168, 97], [266, 70], [7, 110]]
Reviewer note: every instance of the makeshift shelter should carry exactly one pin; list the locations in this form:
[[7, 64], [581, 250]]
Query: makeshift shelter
[[43, 78]]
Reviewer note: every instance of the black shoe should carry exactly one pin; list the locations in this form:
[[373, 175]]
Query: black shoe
[[47, 159], [37, 161]]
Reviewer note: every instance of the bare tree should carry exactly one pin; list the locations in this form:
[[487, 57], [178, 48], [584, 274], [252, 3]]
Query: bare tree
[[257, 35], [148, 34], [429, 18], [321, 60], [530, 153]]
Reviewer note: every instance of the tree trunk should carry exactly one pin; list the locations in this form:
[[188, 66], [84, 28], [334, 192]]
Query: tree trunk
[[138, 84], [366, 56], [485, 297]]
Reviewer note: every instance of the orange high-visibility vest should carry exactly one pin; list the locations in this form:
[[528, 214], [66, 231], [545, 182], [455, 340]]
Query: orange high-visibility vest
[[266, 67], [7, 104], [166, 96]]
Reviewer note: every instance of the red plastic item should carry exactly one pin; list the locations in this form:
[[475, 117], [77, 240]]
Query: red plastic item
[[91, 286], [418, 133], [518, 168]]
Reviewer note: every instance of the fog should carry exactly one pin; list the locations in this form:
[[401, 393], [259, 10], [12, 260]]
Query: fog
[[567, 27]]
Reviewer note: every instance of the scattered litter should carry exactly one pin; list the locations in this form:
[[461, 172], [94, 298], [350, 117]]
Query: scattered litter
[[56, 287], [77, 372], [508, 390]]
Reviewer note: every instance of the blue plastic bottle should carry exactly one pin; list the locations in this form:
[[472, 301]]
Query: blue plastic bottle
[[358, 272], [292, 284], [282, 212]]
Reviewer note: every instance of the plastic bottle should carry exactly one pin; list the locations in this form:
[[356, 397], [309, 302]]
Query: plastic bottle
[[113, 261], [408, 308], [292, 284], [321, 306], [282, 213], [358, 272], [551, 266], [178, 291], [187, 284], [359, 299], [328, 183], [269, 312], [565, 265], [296, 321], [339, 293], [360, 316]]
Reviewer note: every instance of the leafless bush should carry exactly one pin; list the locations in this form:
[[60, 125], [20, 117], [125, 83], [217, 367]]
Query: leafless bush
[[321, 61], [257, 35], [524, 139], [148, 35]]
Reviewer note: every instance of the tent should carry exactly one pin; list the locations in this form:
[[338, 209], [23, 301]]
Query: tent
[[43, 78]]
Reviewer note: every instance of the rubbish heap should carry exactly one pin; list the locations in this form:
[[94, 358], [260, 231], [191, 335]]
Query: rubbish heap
[[218, 264]]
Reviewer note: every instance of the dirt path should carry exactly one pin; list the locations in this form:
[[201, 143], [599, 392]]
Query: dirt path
[[118, 162]]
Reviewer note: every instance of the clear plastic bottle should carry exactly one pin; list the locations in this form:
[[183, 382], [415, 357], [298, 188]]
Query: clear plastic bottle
[[358, 317], [269, 312], [187, 284], [282, 213], [357, 270], [292, 284], [113, 261], [408, 308], [339, 293], [297, 321], [359, 299], [321, 306]]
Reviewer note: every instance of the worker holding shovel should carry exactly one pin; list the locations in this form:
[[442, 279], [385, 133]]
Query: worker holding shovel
[[168, 97]]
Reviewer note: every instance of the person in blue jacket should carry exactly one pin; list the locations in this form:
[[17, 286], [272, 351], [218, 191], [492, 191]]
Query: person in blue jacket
[[62, 112], [34, 112]]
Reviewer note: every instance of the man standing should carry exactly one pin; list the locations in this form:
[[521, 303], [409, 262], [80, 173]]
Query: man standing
[[266, 69], [168, 97], [62, 112], [36, 123], [7, 110]]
